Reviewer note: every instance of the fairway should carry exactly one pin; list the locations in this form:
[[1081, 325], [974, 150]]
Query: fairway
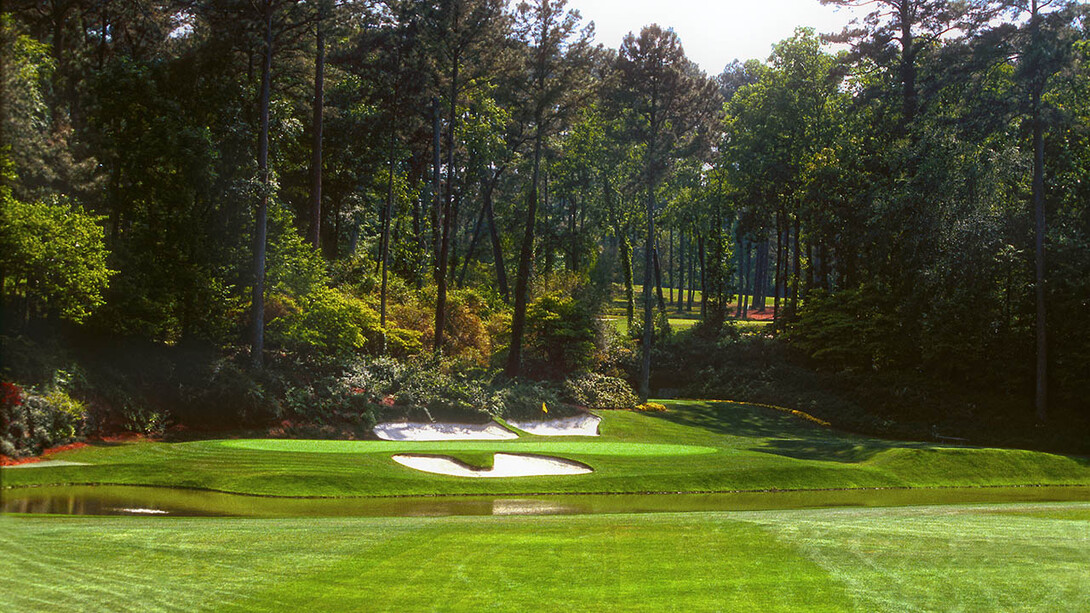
[[966, 558], [495, 544]]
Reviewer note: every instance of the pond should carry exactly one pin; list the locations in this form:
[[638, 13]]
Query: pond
[[156, 501]]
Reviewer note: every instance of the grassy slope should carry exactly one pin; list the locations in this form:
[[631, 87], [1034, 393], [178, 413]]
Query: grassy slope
[[695, 447], [1024, 557]]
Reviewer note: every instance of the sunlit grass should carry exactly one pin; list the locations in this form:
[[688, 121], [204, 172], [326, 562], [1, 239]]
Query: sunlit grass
[[693, 447], [984, 558]]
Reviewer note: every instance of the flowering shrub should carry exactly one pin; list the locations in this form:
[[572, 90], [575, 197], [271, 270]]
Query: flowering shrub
[[32, 423], [11, 395]]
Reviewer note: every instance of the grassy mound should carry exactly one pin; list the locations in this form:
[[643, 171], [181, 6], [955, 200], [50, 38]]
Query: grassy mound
[[692, 447]]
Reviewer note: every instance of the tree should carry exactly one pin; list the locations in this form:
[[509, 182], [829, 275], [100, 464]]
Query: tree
[[898, 31], [464, 32], [669, 106], [52, 256], [556, 74], [1044, 45]]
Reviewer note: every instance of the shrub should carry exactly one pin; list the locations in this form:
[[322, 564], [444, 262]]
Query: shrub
[[560, 335], [596, 391], [431, 393], [333, 401], [53, 254], [328, 321], [229, 396], [33, 423], [523, 399]]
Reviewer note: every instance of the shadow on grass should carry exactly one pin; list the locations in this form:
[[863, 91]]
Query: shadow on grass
[[785, 434], [846, 451]]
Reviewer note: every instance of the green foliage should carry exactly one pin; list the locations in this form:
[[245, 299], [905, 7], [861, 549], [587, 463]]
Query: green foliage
[[292, 266], [52, 257], [596, 391], [328, 321], [848, 329], [522, 400], [33, 422], [561, 334]]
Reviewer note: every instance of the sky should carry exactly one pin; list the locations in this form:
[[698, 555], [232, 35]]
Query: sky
[[713, 32]]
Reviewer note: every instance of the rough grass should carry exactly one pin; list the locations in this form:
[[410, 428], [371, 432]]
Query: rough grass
[[693, 447], [1010, 558]]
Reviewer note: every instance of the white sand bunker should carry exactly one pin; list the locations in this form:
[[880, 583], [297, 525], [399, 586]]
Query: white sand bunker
[[503, 465], [416, 431], [580, 425]]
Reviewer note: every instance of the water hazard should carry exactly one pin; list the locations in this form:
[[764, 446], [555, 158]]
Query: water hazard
[[166, 502]]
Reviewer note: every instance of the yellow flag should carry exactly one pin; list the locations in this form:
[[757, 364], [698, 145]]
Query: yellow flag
[[544, 409]]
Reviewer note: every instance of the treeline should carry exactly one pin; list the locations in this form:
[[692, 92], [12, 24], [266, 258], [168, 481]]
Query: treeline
[[364, 175]]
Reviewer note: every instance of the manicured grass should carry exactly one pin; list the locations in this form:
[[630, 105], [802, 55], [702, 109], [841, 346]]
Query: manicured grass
[[982, 558], [677, 324], [695, 446]]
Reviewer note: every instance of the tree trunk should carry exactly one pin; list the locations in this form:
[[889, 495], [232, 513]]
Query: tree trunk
[[648, 322], [477, 227], [761, 282], [574, 243], [257, 310], [692, 274], [626, 269], [1041, 391], [315, 230], [448, 203], [747, 287], [436, 194], [703, 281], [779, 268], [497, 250], [740, 259], [796, 273], [669, 263], [658, 281], [386, 240], [809, 269], [908, 63], [526, 256], [681, 272]]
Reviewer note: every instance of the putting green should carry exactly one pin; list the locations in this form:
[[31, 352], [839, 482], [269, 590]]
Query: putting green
[[618, 449]]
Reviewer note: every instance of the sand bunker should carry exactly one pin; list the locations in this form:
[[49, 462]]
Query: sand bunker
[[503, 465], [414, 431], [580, 425]]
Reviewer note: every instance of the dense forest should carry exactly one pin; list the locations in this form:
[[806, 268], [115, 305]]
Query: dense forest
[[229, 213]]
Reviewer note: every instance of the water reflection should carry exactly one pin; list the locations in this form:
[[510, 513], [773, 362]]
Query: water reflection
[[131, 500]]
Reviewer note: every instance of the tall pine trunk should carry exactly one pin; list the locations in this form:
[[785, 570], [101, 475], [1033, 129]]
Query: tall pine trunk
[[315, 230], [497, 250], [626, 271], [1041, 391], [648, 322], [526, 257], [257, 310], [448, 203]]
